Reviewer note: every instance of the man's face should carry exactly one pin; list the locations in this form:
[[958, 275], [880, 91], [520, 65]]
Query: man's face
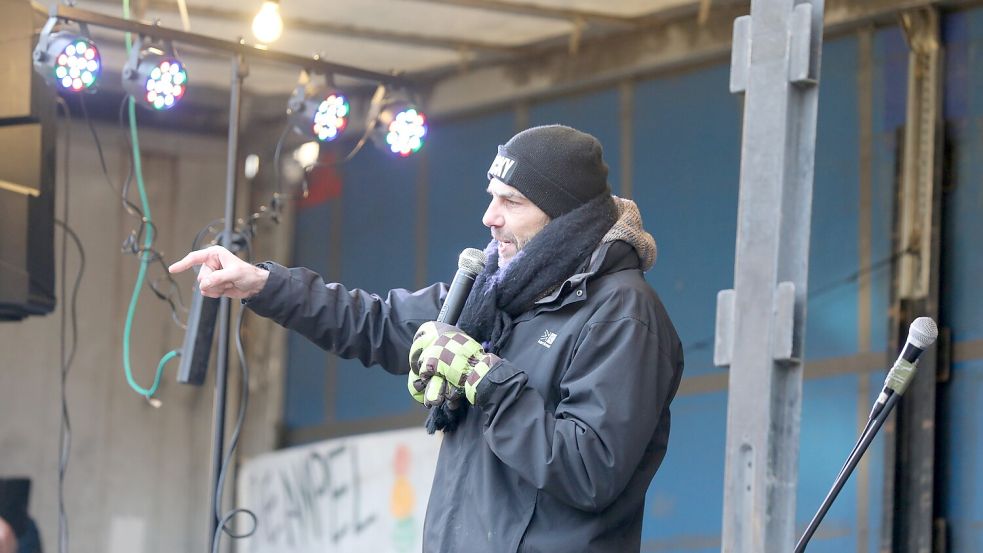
[[512, 218]]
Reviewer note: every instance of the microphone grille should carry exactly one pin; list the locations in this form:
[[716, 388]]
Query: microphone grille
[[923, 332], [471, 260]]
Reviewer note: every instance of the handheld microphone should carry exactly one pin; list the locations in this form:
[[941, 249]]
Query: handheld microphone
[[921, 334], [446, 415], [469, 264]]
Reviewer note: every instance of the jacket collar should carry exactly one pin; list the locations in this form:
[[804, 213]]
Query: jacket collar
[[609, 257]]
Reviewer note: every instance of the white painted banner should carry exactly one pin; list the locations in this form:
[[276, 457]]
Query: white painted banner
[[359, 494]]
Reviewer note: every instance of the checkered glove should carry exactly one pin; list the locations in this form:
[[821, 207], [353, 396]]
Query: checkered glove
[[448, 361], [424, 337]]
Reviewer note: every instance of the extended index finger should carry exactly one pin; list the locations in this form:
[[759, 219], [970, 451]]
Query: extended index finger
[[196, 257]]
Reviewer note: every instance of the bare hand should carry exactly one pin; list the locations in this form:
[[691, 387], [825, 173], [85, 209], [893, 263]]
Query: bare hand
[[223, 274], [8, 541]]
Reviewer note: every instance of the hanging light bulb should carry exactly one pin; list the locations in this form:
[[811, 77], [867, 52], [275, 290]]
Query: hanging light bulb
[[307, 153], [268, 25]]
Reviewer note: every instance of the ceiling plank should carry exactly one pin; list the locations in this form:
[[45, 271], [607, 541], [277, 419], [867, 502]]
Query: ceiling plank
[[328, 28], [535, 10]]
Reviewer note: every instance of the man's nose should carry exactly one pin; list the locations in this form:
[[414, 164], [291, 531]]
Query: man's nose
[[493, 217]]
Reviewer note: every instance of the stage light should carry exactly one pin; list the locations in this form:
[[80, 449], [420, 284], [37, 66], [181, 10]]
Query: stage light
[[154, 77], [399, 127], [405, 128], [319, 113], [268, 25], [67, 61]]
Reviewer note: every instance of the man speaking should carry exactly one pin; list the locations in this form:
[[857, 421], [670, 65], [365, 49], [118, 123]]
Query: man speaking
[[564, 361]]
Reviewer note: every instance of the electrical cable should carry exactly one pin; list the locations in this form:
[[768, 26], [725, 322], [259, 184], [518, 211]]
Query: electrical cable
[[65, 426], [277, 177], [278, 180], [130, 245], [131, 208], [146, 231], [707, 342], [224, 519], [146, 257], [212, 227]]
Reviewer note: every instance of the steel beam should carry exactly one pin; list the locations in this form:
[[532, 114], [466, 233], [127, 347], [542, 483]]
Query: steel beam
[[760, 323], [313, 64]]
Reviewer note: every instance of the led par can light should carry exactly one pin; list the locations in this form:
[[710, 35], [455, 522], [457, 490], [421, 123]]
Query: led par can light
[[321, 114], [401, 128], [154, 77], [66, 60]]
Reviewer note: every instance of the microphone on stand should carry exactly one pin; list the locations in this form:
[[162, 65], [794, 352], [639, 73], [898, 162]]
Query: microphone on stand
[[469, 264], [921, 334]]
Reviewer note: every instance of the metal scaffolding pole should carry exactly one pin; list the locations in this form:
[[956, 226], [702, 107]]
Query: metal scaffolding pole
[[760, 322], [911, 526]]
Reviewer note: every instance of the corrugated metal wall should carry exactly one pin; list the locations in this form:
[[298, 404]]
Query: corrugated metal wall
[[673, 144], [962, 301]]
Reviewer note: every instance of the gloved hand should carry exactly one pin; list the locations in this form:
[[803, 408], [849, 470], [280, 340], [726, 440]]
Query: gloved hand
[[425, 336], [449, 361]]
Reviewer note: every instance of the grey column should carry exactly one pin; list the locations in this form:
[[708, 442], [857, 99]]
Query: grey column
[[760, 323]]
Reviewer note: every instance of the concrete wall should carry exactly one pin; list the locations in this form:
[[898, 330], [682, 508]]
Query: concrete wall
[[138, 477]]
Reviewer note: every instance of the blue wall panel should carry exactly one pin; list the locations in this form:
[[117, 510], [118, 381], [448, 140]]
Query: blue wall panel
[[963, 225], [687, 162], [957, 31], [962, 445], [378, 242], [306, 382], [828, 432], [961, 433], [596, 113], [378, 246], [459, 156], [891, 52], [890, 71], [831, 328], [685, 501]]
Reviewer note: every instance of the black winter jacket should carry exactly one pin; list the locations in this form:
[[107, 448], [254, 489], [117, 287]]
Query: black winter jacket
[[568, 429]]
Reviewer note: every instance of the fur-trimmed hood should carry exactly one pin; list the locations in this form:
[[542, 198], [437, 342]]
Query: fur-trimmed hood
[[629, 229]]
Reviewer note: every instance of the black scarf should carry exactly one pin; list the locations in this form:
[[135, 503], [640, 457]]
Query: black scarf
[[557, 252]]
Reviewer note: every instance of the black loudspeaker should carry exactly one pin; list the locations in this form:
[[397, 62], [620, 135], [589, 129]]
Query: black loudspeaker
[[14, 493], [197, 345], [27, 172]]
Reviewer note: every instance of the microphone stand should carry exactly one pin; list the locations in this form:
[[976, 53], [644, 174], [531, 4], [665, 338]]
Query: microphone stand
[[877, 417], [224, 310]]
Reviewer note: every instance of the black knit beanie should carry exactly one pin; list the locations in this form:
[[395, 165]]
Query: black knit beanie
[[557, 167]]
